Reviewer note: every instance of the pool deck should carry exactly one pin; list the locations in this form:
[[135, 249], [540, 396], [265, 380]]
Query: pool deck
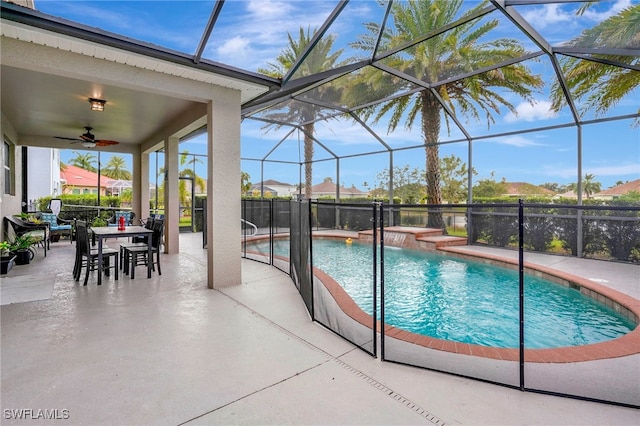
[[167, 350]]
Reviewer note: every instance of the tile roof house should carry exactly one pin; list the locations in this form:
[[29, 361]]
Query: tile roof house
[[275, 188], [328, 189], [618, 191], [570, 194], [516, 189], [76, 180]]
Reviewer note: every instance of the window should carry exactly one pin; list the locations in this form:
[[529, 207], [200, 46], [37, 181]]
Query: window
[[9, 168]]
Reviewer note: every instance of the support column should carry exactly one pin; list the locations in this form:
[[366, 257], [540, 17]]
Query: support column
[[136, 185], [145, 196], [223, 189], [171, 196]]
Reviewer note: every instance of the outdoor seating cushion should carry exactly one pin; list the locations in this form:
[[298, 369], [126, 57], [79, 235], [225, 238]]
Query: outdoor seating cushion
[[127, 218], [52, 219]]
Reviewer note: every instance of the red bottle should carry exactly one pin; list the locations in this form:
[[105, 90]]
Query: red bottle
[[121, 223]]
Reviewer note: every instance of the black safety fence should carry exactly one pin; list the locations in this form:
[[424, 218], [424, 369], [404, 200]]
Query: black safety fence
[[257, 229], [301, 268], [475, 297], [469, 313], [344, 264]]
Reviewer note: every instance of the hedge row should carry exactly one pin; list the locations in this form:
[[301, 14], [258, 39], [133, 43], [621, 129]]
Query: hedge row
[[606, 233]]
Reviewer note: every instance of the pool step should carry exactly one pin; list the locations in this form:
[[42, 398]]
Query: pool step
[[438, 241], [415, 238]]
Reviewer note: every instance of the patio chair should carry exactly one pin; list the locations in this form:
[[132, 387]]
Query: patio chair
[[38, 231], [57, 226], [128, 218], [136, 253], [148, 224], [87, 257]]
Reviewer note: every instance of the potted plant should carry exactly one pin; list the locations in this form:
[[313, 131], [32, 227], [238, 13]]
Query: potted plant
[[21, 247], [7, 259]]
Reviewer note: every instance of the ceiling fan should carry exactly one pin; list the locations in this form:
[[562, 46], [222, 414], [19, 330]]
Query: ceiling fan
[[88, 140]]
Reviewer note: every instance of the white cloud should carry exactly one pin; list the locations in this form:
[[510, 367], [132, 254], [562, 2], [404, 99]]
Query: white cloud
[[539, 110], [518, 141], [236, 48], [265, 24], [599, 16], [551, 15], [548, 15], [627, 169], [268, 8]]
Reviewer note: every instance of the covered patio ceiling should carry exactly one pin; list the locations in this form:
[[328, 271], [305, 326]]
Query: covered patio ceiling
[[145, 88]]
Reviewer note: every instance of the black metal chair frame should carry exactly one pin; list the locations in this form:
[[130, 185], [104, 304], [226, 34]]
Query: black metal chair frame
[[21, 227], [87, 256], [148, 224], [136, 253]]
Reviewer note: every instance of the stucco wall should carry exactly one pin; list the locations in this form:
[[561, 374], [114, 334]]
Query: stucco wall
[[11, 204]]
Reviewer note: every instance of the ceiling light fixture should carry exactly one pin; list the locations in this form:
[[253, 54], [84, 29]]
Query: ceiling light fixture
[[88, 144], [97, 104]]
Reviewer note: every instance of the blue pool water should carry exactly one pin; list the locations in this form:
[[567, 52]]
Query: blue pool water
[[464, 301]]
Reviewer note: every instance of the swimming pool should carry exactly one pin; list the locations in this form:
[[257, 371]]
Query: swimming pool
[[464, 301]]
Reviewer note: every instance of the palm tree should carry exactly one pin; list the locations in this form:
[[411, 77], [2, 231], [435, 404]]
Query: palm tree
[[590, 186], [185, 172], [319, 59], [245, 183], [602, 85], [188, 166], [115, 168], [84, 161], [442, 56]]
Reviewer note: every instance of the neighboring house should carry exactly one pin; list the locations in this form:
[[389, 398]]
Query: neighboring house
[[328, 189], [522, 189], [76, 180], [117, 186], [570, 194], [618, 191], [43, 179], [275, 188]]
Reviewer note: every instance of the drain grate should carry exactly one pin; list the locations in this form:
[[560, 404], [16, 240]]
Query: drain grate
[[409, 404]]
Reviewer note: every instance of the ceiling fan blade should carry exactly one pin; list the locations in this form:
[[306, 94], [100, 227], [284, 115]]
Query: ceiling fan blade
[[105, 142], [67, 139]]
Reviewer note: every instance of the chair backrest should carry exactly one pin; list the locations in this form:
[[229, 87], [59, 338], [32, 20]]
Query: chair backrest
[[128, 217], [149, 223], [51, 218], [82, 237], [9, 230], [158, 229], [55, 205]]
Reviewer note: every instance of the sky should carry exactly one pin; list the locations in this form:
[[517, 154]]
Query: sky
[[249, 34]]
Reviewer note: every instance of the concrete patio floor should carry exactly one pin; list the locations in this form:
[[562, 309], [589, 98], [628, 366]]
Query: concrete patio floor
[[167, 350]]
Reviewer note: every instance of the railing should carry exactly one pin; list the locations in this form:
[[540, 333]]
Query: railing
[[251, 226]]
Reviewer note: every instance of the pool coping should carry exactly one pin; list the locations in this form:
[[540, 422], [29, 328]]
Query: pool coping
[[626, 345]]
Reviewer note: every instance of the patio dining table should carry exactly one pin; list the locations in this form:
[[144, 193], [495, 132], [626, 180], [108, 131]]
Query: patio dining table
[[103, 232]]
